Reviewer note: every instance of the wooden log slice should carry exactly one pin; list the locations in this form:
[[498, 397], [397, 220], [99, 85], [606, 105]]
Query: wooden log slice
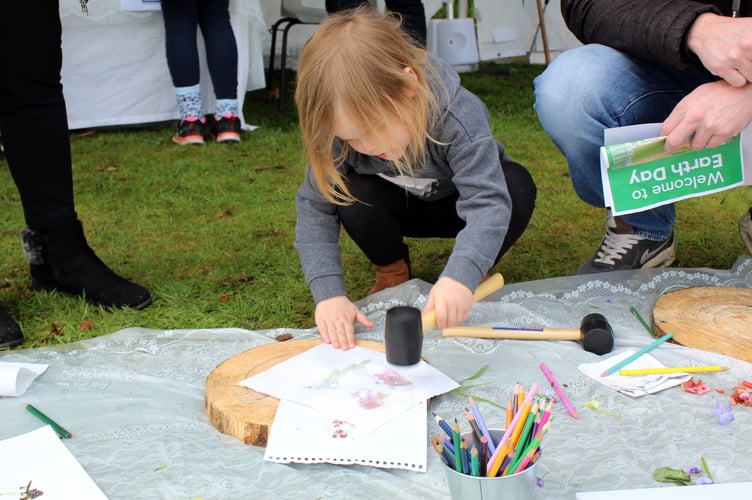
[[240, 411], [712, 318]]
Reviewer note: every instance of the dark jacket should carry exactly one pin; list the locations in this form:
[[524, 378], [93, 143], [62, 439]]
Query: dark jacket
[[653, 30]]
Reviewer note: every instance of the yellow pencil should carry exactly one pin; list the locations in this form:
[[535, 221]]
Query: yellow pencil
[[679, 369]]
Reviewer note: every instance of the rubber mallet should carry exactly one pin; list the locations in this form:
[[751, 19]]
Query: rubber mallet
[[595, 333], [484, 289]]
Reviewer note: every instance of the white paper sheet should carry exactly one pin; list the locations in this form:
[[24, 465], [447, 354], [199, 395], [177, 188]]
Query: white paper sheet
[[631, 385], [698, 492], [303, 435], [41, 458], [357, 386], [15, 378]]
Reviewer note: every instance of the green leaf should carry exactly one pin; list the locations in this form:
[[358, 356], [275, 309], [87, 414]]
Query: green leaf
[[477, 374], [671, 475]]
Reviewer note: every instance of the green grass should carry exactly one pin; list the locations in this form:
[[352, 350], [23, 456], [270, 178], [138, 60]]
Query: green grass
[[209, 230]]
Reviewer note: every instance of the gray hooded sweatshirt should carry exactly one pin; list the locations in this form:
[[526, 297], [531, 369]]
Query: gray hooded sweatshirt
[[465, 160]]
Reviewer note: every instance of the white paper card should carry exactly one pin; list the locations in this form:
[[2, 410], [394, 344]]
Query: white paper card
[[697, 492], [357, 386], [630, 385], [15, 378], [40, 458], [301, 434]]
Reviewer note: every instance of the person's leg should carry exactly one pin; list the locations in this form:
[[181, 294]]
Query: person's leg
[[384, 215], [32, 106], [439, 219], [181, 49], [373, 222], [591, 88], [413, 17], [222, 61], [412, 12]]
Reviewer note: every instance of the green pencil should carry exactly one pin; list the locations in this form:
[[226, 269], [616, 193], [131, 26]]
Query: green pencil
[[47, 420], [643, 322]]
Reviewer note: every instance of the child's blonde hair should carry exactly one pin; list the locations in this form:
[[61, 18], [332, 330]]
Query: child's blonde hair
[[355, 63]]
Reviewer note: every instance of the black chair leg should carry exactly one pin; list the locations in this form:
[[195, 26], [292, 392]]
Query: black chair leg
[[274, 29], [283, 62]]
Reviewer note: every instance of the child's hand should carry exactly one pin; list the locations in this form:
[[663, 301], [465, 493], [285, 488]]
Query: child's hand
[[335, 319], [451, 300]]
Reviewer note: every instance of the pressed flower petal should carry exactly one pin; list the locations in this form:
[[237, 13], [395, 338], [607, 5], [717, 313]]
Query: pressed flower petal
[[693, 387]]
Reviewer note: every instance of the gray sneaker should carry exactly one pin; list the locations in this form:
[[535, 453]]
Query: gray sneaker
[[745, 228], [622, 249]]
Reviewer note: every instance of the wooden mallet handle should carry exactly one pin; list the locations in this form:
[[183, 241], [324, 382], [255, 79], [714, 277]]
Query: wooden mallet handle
[[484, 289], [490, 332]]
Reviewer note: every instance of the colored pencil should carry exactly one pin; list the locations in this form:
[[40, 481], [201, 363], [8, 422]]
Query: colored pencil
[[647, 348], [483, 453], [477, 433], [498, 456], [447, 441], [530, 452], [439, 448], [474, 462], [510, 413], [457, 446], [519, 444], [465, 458], [557, 388], [679, 369], [442, 423], [47, 420], [481, 423], [642, 321]]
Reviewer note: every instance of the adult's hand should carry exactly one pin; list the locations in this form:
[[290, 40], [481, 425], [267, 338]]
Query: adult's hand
[[724, 46], [708, 116], [335, 319]]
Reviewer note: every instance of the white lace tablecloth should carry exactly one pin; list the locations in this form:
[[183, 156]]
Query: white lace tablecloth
[[134, 400]]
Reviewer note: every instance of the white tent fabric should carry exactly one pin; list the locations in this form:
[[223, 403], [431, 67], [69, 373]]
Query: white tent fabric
[[115, 70]]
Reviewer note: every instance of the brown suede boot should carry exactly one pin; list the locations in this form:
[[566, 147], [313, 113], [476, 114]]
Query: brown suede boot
[[391, 275]]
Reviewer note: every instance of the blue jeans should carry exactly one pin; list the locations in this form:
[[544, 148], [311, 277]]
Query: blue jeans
[[591, 88]]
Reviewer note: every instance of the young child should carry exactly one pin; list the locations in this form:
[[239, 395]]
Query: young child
[[397, 147]]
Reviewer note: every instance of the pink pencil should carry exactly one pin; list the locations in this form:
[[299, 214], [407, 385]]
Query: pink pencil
[[558, 390]]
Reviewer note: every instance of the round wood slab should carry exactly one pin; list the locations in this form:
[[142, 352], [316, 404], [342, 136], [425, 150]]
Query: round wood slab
[[242, 412], [711, 318]]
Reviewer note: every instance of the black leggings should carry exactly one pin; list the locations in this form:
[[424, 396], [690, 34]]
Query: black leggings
[[385, 214]]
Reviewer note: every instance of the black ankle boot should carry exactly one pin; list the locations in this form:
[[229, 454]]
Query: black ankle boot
[[62, 260], [10, 333]]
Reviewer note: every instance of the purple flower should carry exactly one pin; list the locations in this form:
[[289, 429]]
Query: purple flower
[[539, 482], [705, 480], [724, 414], [694, 471]]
